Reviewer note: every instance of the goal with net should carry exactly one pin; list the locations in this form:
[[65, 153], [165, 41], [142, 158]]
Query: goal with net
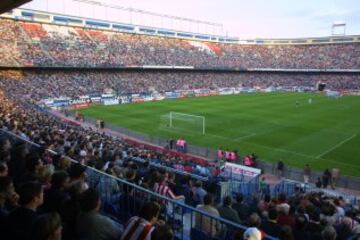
[[183, 122]]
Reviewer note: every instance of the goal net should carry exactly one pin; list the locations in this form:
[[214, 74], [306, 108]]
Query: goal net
[[183, 122]]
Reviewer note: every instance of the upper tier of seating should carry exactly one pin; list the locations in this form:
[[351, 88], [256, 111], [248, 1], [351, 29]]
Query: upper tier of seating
[[46, 45]]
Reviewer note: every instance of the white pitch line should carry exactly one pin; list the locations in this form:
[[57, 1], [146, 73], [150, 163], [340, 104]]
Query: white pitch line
[[336, 146], [246, 136], [280, 150], [267, 147]]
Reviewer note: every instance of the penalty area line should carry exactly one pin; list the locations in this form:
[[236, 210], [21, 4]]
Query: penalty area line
[[336, 146], [245, 136]]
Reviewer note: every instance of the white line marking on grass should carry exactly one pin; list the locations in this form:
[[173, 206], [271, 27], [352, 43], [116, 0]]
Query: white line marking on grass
[[245, 136], [280, 150], [267, 147], [336, 146]]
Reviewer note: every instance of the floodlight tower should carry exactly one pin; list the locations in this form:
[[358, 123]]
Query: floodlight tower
[[338, 29]]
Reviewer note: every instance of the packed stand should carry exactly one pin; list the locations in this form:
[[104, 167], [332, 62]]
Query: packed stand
[[54, 84], [35, 44]]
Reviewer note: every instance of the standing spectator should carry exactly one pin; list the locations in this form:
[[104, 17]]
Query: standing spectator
[[326, 178], [90, 223], [335, 172], [280, 169], [318, 183], [264, 187], [199, 193], [307, 173], [47, 227], [141, 227], [108, 187], [21, 220], [171, 143], [220, 154]]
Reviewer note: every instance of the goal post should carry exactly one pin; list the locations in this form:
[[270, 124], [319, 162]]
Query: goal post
[[184, 122]]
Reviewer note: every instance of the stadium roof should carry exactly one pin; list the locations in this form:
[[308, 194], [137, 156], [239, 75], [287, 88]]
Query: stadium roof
[[6, 5]]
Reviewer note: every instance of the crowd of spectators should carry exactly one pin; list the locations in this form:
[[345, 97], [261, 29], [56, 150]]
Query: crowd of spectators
[[38, 44], [39, 85]]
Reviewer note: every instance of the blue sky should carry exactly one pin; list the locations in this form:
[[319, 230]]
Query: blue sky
[[244, 19]]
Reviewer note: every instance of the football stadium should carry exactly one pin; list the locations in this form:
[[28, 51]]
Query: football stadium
[[118, 122]]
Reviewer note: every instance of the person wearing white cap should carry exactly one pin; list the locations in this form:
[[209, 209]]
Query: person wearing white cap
[[252, 233]]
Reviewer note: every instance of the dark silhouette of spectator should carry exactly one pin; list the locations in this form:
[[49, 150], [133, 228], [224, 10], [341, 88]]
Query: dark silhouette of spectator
[[241, 208], [21, 220], [286, 233], [90, 223], [162, 232], [226, 211], [270, 226], [55, 197], [326, 178], [47, 227]]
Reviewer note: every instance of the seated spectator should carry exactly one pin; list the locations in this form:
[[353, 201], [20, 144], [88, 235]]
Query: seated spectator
[[241, 208], [252, 233], [329, 233], [78, 173], [206, 224], [226, 211], [162, 188], [141, 227], [171, 182], [162, 232], [90, 224], [270, 225], [286, 233], [3, 169], [63, 163], [20, 221], [300, 228], [255, 221], [55, 197], [47, 227], [8, 200]]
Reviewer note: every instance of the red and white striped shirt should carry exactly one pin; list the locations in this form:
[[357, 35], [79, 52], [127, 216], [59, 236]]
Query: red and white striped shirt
[[164, 190], [137, 229]]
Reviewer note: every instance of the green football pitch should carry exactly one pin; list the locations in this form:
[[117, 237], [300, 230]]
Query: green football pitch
[[275, 126]]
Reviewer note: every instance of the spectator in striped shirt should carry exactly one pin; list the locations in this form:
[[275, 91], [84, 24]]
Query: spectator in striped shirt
[[162, 188], [141, 227]]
